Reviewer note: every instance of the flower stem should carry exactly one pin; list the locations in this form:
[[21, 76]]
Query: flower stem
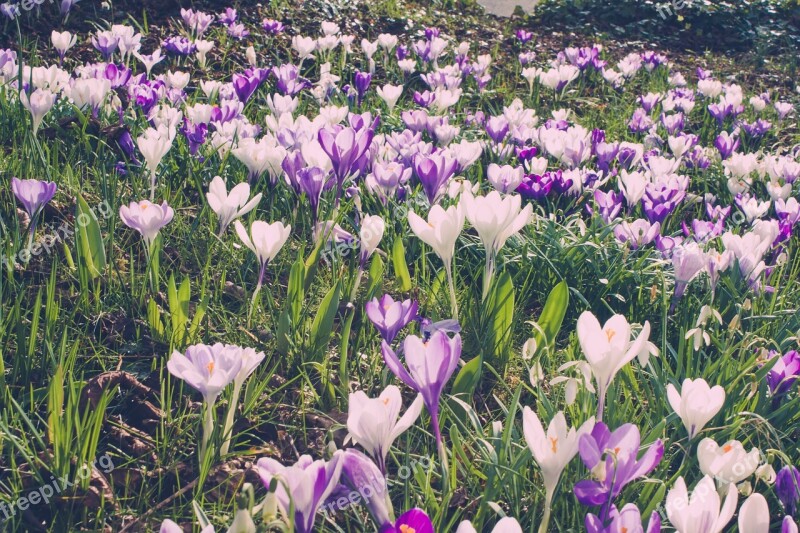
[[442, 453], [227, 431], [488, 274], [208, 429], [548, 501]]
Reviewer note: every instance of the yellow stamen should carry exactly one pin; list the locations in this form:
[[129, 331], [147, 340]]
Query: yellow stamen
[[404, 528], [554, 444], [210, 367], [727, 448], [610, 334]]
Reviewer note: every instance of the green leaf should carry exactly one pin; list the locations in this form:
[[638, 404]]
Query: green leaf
[[552, 316], [290, 316], [400, 266], [376, 268], [468, 378], [499, 311], [322, 326], [91, 249]]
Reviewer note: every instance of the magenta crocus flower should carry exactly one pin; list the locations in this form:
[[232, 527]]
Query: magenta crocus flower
[[245, 86], [414, 520], [390, 316], [33, 195], [629, 519], [612, 459], [306, 484], [430, 363]]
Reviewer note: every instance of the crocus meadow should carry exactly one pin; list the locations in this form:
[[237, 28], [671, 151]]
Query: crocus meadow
[[394, 281]]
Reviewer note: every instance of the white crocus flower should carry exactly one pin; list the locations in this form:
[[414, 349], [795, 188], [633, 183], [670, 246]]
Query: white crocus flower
[[729, 463], [375, 423], [696, 404], [608, 349], [229, 207], [700, 512], [552, 450]]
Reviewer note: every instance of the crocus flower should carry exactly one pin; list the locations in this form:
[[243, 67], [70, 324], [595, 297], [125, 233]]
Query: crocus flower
[[208, 369], [412, 521], [168, 526], [504, 525], [552, 450], [495, 218], [611, 457], [609, 204], [787, 488], [788, 525], [700, 512], [62, 42], [359, 474], [729, 463], [265, 240], [373, 422], [783, 373], [504, 179], [33, 195], [38, 103], [430, 364], [390, 316], [754, 515], [689, 261], [147, 218], [608, 349], [345, 147], [433, 172], [229, 207], [306, 484], [154, 145], [441, 232], [637, 233], [390, 94], [629, 520], [372, 228], [696, 404]]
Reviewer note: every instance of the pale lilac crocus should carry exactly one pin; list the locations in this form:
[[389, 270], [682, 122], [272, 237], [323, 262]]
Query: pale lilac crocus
[[33, 195], [147, 218], [38, 103], [390, 316], [375, 423], [306, 485], [430, 363], [629, 519], [209, 370], [637, 233], [700, 511]]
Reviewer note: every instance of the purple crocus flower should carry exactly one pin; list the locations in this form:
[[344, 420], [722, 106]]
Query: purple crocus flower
[[649, 101], [629, 519], [414, 520], [312, 181], [288, 79], [537, 187], [606, 154], [345, 147], [640, 121], [497, 128], [757, 129], [106, 43], [637, 233], [433, 172], [523, 36], [360, 474], [228, 17], [673, 123], [390, 316], [274, 27], [179, 46], [698, 159], [361, 82], [430, 363], [195, 135], [612, 459], [726, 144], [244, 86], [787, 488], [33, 195], [306, 484], [609, 204], [783, 373], [126, 144], [660, 199]]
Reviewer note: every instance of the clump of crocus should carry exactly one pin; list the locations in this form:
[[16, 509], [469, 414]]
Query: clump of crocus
[[552, 450], [390, 316], [208, 369], [265, 240], [608, 348], [430, 363], [229, 207], [374, 424]]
